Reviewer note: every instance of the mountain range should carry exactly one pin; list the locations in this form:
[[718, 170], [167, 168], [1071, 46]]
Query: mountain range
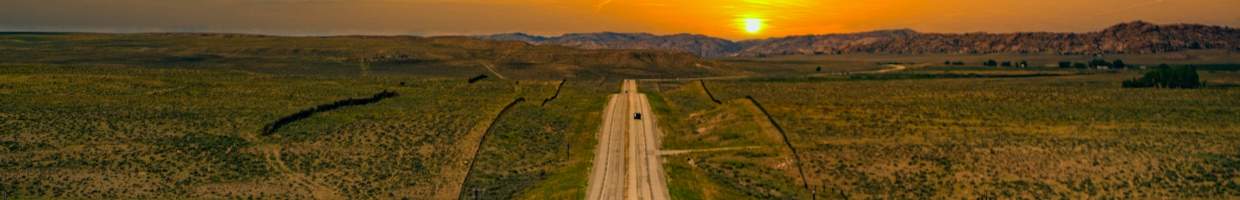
[[1133, 37]]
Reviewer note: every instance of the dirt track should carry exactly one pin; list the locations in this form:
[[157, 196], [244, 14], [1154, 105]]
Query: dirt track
[[626, 162]]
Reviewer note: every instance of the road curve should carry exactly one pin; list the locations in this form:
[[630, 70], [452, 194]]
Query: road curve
[[627, 163]]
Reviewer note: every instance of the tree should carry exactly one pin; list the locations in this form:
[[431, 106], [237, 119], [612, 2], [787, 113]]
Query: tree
[[947, 62], [819, 69], [1079, 65], [1023, 64], [991, 63], [1007, 63], [1065, 64], [958, 63], [1118, 64]]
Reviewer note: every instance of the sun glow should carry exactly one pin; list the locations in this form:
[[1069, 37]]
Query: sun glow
[[752, 25]]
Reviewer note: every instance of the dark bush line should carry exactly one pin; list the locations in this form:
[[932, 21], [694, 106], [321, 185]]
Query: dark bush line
[[1167, 77], [482, 141], [477, 78], [557, 92], [1219, 67], [934, 76], [795, 154], [275, 126], [712, 96]]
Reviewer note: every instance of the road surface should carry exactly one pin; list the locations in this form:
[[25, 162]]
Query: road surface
[[626, 162]]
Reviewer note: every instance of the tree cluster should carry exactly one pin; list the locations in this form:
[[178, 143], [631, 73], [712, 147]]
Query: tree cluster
[[993, 63], [1167, 77], [1095, 63]]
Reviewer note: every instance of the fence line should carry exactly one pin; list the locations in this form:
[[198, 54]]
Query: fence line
[[795, 155], [463, 191], [557, 92]]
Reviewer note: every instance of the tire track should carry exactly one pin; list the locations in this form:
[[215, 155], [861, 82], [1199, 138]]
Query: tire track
[[491, 68], [272, 158]]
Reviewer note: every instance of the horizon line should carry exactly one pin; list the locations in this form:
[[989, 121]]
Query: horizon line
[[4, 30]]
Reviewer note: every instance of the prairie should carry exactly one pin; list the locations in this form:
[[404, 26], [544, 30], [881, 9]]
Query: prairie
[[119, 132], [182, 116], [1079, 136]]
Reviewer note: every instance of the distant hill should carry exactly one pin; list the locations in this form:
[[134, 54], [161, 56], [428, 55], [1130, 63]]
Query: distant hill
[[700, 45], [450, 56], [1133, 37]]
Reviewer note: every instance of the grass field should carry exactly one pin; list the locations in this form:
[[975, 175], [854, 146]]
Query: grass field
[[1040, 137], [406, 56], [182, 116], [133, 132], [542, 152], [756, 165]]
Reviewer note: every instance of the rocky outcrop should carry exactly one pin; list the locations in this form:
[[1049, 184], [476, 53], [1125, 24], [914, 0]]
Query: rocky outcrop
[[1133, 37]]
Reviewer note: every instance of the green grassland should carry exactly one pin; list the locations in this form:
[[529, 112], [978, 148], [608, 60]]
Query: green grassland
[[542, 152], [138, 132], [755, 164], [120, 132], [347, 55], [181, 116], [1078, 136]]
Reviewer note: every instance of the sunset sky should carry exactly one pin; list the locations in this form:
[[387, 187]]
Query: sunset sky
[[733, 19]]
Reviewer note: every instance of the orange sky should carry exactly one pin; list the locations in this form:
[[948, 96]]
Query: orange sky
[[724, 18]]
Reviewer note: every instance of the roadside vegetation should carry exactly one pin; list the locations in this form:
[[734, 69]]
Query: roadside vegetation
[[542, 151], [85, 131], [731, 151], [1069, 137]]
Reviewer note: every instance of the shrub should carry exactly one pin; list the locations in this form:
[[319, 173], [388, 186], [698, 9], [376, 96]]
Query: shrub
[[1099, 63], [1167, 77], [1065, 64], [1118, 64], [991, 63]]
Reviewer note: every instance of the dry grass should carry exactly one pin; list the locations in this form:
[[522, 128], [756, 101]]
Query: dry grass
[[120, 132], [1046, 137]]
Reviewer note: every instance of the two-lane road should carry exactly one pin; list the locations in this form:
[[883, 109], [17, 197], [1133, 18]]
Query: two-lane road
[[626, 162]]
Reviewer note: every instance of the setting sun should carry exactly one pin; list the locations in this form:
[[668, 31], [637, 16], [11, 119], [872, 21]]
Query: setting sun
[[752, 25]]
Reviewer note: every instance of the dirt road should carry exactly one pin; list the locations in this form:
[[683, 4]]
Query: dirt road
[[626, 162]]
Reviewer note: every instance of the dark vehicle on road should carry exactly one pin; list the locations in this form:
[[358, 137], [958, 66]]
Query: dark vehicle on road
[[637, 116]]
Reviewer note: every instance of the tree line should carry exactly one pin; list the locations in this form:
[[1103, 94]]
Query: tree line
[[1095, 63]]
